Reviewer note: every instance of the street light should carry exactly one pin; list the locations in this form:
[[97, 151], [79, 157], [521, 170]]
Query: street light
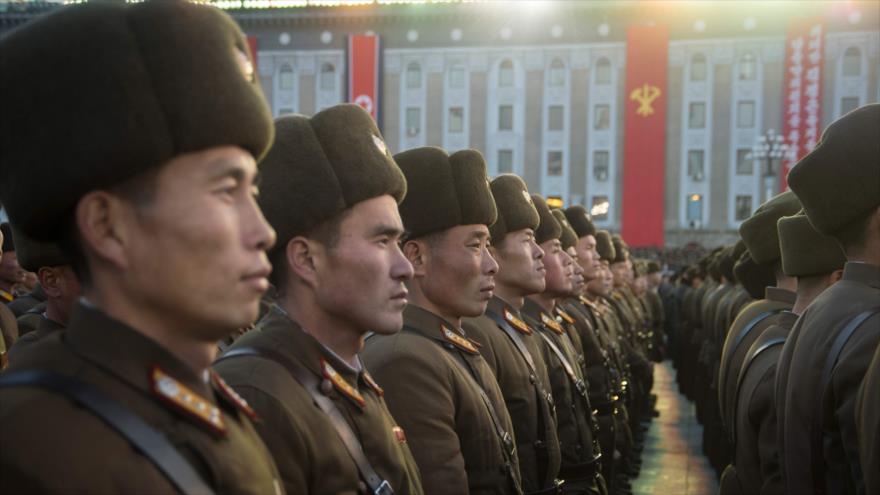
[[769, 151]]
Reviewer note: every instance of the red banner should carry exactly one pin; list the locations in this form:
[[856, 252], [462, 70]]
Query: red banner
[[802, 106], [252, 44], [363, 72], [644, 135]]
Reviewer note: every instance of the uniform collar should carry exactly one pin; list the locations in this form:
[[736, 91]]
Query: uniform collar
[[780, 295], [498, 305], [863, 273]]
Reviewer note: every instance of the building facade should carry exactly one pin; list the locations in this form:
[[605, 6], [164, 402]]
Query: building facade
[[539, 89]]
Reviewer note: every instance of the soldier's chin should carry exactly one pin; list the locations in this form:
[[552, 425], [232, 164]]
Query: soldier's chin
[[389, 325]]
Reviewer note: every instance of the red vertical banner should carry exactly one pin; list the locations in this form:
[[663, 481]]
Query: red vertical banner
[[644, 135], [363, 72], [252, 44], [802, 102]]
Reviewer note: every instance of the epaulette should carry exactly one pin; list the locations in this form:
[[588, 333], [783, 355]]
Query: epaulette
[[179, 396]]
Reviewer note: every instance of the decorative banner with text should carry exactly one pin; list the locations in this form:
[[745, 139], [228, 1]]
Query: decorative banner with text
[[802, 102], [644, 135], [363, 72]]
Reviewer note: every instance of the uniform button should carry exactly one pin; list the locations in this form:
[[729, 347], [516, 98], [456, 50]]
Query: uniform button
[[532, 378], [326, 387], [539, 444]]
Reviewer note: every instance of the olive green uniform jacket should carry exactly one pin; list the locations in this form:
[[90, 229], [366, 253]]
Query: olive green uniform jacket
[[574, 415], [748, 325], [527, 394], [307, 448], [51, 445], [44, 327], [756, 467], [430, 379], [868, 424], [801, 398]]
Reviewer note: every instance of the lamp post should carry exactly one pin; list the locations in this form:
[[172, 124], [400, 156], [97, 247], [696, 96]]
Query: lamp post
[[768, 152]]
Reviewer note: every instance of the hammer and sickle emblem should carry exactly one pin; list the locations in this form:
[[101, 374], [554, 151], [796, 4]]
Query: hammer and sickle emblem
[[645, 96]]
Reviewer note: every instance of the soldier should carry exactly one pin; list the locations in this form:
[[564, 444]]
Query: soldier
[[817, 262], [10, 271], [868, 425], [509, 345], [574, 413], [761, 237], [60, 284], [828, 351], [8, 325], [437, 385], [331, 190], [166, 238], [657, 310]]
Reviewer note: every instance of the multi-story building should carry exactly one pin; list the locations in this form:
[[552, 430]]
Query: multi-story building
[[538, 87]]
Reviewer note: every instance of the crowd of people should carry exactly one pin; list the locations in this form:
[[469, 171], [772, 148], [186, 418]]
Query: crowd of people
[[199, 299]]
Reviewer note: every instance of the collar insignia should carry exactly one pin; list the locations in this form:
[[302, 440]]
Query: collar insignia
[[372, 384], [6, 295], [517, 323], [399, 434], [340, 384], [551, 324], [457, 340], [233, 396], [565, 316], [176, 394]]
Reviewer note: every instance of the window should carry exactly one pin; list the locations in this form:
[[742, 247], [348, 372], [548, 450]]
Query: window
[[600, 166], [852, 62], [748, 68], [602, 117], [456, 120], [697, 115], [695, 165], [699, 68], [745, 114], [505, 161], [603, 71], [599, 208], [744, 162], [695, 210], [285, 77], [556, 74], [555, 118], [413, 121], [743, 207], [413, 76], [456, 77], [848, 104], [328, 76], [505, 118], [554, 163], [505, 74]]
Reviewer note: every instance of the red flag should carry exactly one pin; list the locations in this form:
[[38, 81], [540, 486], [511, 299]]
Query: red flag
[[644, 136], [363, 72]]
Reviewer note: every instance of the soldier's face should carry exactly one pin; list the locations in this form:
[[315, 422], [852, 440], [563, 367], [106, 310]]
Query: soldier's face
[[360, 280], [578, 283], [459, 271], [196, 256], [61, 284], [607, 278], [600, 285], [520, 263], [620, 273], [10, 271], [588, 257], [558, 265]]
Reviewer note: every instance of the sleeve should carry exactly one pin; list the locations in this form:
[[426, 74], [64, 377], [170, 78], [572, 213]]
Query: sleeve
[[762, 414], [418, 394]]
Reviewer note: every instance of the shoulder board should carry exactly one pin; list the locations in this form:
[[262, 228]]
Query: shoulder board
[[565, 316], [517, 323], [232, 396], [372, 384], [552, 324], [457, 340], [340, 384], [183, 399]]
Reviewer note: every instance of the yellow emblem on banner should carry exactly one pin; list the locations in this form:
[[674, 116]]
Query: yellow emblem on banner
[[645, 96]]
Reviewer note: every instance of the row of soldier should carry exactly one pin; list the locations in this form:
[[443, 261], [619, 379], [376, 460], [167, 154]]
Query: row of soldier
[[775, 338], [419, 329]]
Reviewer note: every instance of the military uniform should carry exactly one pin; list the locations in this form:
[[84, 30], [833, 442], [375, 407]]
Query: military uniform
[[309, 452], [432, 375], [205, 422], [44, 328], [524, 381], [868, 425]]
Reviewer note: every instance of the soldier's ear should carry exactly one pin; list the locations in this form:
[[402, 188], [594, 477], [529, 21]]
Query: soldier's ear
[[49, 281], [416, 252], [301, 259], [107, 225]]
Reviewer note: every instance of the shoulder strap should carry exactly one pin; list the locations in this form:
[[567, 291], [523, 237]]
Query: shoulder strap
[[579, 384], [757, 349], [508, 446], [840, 341], [517, 341], [312, 384], [150, 442]]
